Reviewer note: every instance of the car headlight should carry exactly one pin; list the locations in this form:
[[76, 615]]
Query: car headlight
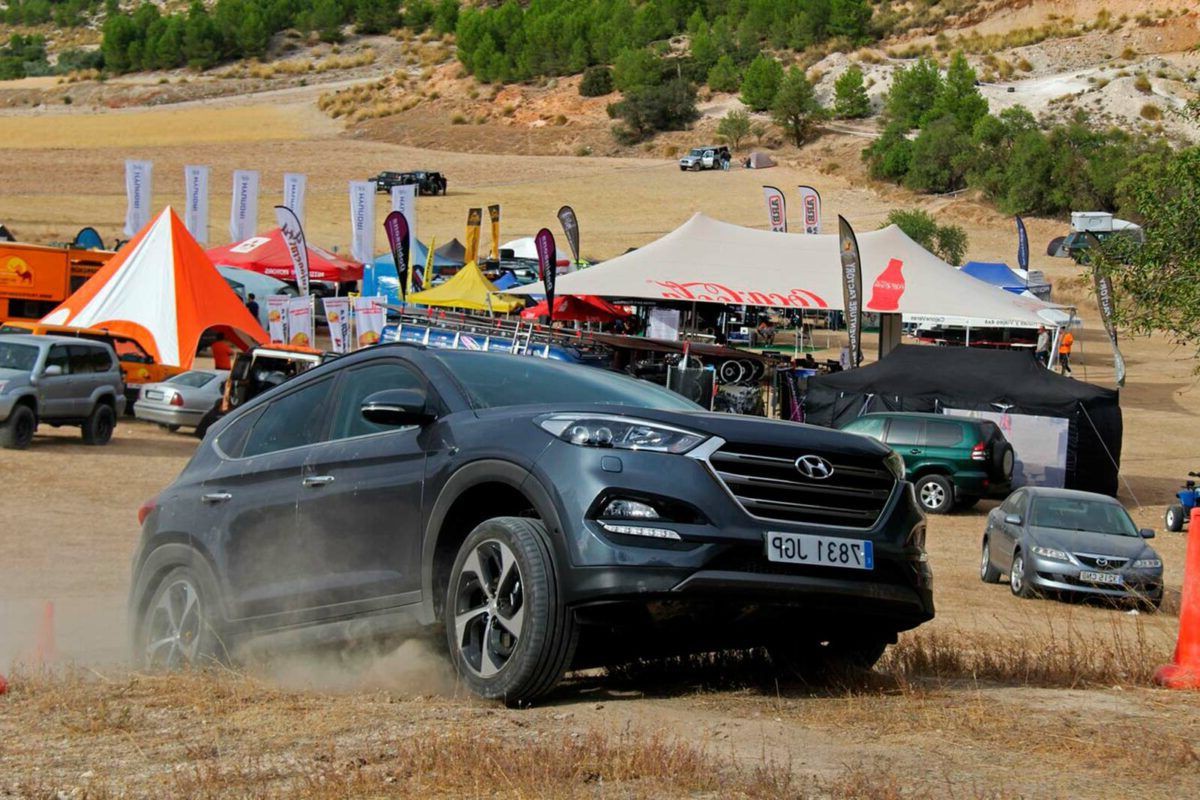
[[895, 464], [1051, 553], [622, 433], [1148, 563]]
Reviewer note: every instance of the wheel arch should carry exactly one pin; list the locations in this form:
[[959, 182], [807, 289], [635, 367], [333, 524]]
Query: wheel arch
[[478, 491], [170, 552]]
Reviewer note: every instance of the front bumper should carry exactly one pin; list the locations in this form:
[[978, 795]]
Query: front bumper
[[163, 414], [1057, 576]]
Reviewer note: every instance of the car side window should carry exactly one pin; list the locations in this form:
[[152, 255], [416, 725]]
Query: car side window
[[868, 426], [57, 357], [903, 430], [942, 434], [232, 441], [81, 359], [359, 384], [294, 420], [1015, 503]]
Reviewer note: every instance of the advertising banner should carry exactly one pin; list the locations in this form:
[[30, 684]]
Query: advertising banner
[[776, 209], [396, 228], [570, 226], [370, 315], [195, 209], [404, 200], [337, 314], [243, 212], [300, 321], [810, 207], [138, 177], [474, 220], [293, 237], [295, 184], [277, 306], [547, 266], [362, 221], [851, 288], [1022, 245], [494, 217], [1104, 299]]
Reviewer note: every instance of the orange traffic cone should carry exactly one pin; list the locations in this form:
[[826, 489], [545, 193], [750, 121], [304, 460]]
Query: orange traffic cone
[[1184, 673], [3, 685], [46, 650]]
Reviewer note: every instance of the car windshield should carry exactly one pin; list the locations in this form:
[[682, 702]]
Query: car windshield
[[1075, 514], [18, 356], [696, 152], [195, 378], [496, 381]]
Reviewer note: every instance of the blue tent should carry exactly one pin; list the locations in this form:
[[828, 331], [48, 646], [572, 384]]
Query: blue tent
[[506, 281], [379, 277], [996, 274]]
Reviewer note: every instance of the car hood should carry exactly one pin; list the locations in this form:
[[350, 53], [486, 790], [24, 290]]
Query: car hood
[[14, 375], [1101, 544]]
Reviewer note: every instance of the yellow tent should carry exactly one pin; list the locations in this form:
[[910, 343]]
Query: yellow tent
[[468, 289]]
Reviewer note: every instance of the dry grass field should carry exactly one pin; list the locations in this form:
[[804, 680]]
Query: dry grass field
[[997, 698]]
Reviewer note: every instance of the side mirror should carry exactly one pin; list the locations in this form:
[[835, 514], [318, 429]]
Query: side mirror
[[397, 407], [52, 371], [1012, 519], [1147, 533]]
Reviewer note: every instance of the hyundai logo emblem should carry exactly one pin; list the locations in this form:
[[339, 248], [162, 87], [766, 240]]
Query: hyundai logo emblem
[[814, 467]]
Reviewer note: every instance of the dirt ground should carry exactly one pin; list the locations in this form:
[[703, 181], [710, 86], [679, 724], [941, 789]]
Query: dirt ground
[[998, 697]]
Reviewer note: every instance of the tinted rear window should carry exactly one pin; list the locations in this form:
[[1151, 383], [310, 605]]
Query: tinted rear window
[[905, 431], [942, 434], [492, 380]]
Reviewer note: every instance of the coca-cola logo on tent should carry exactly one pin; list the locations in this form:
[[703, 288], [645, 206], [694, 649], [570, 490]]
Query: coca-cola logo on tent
[[705, 292]]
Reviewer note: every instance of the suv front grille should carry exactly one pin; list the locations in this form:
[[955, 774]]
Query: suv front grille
[[767, 485], [1093, 561]]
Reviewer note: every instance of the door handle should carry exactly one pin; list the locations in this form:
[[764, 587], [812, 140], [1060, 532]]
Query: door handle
[[217, 497], [915, 452], [317, 480]]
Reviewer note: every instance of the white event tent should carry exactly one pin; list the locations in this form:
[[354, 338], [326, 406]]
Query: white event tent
[[709, 261]]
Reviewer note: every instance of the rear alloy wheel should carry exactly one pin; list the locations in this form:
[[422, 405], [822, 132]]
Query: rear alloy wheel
[[177, 628], [817, 661], [1173, 519], [510, 636], [1018, 581], [98, 429], [987, 572], [17, 432], [935, 493]]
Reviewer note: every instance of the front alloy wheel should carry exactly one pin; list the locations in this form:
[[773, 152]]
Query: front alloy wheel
[[490, 608], [1018, 581], [174, 626]]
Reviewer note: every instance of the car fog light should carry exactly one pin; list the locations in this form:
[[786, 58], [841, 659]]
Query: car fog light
[[629, 509], [1147, 563], [639, 530], [1051, 553]]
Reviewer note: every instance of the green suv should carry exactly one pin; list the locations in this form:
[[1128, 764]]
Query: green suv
[[950, 460]]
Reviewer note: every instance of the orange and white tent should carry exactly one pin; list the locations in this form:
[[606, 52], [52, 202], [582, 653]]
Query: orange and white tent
[[162, 290]]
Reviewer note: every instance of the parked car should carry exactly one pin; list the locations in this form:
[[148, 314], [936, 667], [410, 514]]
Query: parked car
[[950, 460], [426, 182], [708, 157], [1059, 540], [546, 515], [183, 400], [58, 380]]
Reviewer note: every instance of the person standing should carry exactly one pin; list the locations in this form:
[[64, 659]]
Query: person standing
[[1064, 352], [252, 307], [1043, 346]]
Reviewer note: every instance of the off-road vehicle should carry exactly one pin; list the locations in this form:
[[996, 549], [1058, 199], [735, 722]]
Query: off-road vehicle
[[426, 182], [708, 157]]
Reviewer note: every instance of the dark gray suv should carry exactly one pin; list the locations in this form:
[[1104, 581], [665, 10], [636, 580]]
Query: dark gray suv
[[548, 515]]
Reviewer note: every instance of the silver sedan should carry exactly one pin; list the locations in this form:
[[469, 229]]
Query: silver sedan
[[1068, 542], [181, 401]]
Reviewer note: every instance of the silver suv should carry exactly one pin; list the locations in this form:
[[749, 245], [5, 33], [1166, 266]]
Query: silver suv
[[59, 380]]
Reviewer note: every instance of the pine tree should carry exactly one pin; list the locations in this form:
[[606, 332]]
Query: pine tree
[[253, 36], [761, 82], [327, 20], [375, 16], [850, 18], [850, 99], [959, 97], [913, 93], [724, 77], [795, 107]]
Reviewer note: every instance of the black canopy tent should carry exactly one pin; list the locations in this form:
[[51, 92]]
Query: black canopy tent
[[931, 379]]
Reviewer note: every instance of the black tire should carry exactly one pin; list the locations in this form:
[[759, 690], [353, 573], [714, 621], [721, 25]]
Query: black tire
[[17, 431], [818, 661], [1003, 460], [1174, 518], [101, 423], [168, 428], [730, 372], [483, 599], [935, 493], [967, 501], [209, 419], [194, 639], [987, 572], [1017, 580]]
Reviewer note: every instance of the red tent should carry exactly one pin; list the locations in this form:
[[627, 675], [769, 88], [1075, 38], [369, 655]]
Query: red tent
[[268, 254], [584, 308]]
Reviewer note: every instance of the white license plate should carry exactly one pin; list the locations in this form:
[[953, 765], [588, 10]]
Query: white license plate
[[1100, 577], [822, 551], [153, 395]]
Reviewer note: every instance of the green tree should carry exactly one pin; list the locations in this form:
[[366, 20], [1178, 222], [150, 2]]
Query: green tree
[[253, 36], [733, 128], [1157, 283], [890, 156], [375, 16], [796, 108], [761, 82], [597, 81], [445, 18], [958, 96], [327, 20], [850, 18], [913, 93], [947, 242], [724, 76], [940, 156], [646, 110], [850, 99], [636, 68]]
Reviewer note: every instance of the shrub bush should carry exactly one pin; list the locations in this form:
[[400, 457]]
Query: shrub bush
[[597, 81]]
